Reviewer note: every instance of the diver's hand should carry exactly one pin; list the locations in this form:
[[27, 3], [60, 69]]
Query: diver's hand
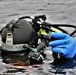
[[64, 45]]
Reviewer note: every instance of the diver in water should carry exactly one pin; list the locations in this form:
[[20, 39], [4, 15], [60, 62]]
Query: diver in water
[[23, 49], [63, 44]]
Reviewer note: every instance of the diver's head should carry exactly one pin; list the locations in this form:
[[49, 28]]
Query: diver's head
[[14, 36]]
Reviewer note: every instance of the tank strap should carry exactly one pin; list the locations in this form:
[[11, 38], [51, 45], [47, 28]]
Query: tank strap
[[10, 25]]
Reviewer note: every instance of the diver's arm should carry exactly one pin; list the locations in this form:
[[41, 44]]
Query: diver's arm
[[64, 45]]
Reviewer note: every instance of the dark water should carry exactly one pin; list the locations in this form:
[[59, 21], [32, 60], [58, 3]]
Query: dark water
[[57, 11]]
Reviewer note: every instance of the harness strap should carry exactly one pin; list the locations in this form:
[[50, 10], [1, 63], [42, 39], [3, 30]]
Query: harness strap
[[17, 47]]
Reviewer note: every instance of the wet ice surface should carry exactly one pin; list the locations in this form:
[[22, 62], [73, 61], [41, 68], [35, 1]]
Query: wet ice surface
[[57, 11]]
